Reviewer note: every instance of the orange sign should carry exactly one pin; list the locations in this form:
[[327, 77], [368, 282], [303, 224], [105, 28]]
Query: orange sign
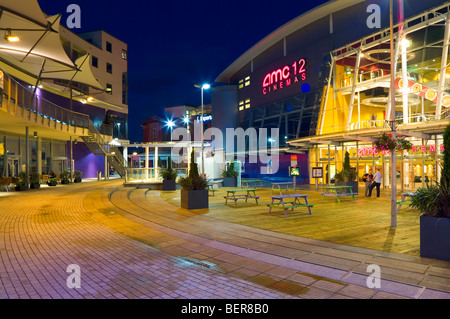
[[423, 91]]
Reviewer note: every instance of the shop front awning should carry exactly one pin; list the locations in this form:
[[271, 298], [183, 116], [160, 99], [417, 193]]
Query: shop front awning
[[31, 44], [423, 130]]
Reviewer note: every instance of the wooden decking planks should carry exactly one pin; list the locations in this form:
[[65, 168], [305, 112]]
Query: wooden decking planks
[[361, 223]]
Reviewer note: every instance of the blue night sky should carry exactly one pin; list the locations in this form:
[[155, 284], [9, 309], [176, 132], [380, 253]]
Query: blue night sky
[[174, 44]]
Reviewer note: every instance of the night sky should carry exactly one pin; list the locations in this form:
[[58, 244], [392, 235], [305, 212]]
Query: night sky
[[175, 44]]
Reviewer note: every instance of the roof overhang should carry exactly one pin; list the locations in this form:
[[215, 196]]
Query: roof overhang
[[279, 34], [39, 52]]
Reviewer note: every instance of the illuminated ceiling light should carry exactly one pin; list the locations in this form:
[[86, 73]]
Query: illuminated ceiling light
[[90, 99], [406, 43], [10, 37], [186, 120]]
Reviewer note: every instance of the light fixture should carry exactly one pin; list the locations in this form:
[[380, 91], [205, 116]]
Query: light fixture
[[10, 37], [90, 99], [35, 134]]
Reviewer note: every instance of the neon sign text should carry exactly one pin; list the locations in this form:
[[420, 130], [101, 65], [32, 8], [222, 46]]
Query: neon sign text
[[374, 151], [284, 76]]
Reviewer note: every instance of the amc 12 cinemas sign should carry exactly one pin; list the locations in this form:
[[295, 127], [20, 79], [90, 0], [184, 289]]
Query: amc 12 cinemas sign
[[284, 77]]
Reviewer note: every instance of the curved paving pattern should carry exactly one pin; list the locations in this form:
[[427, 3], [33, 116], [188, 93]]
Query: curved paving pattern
[[130, 243]]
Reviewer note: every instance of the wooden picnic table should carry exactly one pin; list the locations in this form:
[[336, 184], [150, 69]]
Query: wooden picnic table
[[247, 181], [289, 201], [406, 198], [338, 191], [280, 184], [249, 193]]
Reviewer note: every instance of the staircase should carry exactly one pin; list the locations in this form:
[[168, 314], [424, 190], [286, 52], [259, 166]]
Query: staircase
[[99, 147]]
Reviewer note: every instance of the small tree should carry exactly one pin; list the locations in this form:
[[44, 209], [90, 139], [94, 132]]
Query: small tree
[[193, 181], [169, 174], [445, 175]]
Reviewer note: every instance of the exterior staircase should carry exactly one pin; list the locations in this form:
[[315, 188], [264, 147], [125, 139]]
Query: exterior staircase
[[99, 147]]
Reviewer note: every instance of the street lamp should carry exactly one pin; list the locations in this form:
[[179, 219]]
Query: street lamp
[[205, 86]]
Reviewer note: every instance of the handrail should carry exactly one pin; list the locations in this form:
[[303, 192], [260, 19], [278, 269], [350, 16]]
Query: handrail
[[22, 96]]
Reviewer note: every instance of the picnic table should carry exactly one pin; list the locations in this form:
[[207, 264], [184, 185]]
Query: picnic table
[[289, 201], [406, 199], [211, 188], [280, 184], [247, 181], [338, 191], [249, 193]]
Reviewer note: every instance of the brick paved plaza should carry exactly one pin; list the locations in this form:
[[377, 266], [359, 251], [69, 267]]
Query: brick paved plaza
[[130, 243]]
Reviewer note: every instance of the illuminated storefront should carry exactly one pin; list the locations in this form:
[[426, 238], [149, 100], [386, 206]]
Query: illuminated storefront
[[356, 103]]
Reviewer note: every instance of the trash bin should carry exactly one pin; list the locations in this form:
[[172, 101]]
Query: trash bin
[[99, 176]]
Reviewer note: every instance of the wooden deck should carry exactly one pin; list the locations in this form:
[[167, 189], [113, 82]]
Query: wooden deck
[[364, 222]]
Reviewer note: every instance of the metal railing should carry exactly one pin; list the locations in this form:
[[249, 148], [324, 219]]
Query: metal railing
[[17, 98], [149, 174]]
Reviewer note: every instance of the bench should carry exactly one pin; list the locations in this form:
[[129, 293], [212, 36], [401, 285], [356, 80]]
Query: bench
[[338, 195], [237, 197]]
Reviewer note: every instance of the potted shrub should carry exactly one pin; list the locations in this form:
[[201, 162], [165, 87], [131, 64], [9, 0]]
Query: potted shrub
[[35, 181], [434, 204], [78, 175], [21, 182], [229, 176], [52, 181], [194, 188], [169, 176], [348, 176], [65, 177]]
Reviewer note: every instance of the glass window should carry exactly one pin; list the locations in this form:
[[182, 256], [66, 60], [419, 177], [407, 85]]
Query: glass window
[[94, 61], [109, 68], [108, 46], [109, 88], [124, 54]]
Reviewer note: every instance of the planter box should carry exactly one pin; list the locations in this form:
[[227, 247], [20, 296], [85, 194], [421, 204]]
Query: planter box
[[169, 185], [20, 188], [229, 182], [194, 199], [354, 185], [435, 237], [35, 186], [77, 180]]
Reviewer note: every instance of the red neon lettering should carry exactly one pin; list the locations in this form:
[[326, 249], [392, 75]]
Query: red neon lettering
[[302, 64], [422, 148], [442, 148], [432, 148], [286, 72]]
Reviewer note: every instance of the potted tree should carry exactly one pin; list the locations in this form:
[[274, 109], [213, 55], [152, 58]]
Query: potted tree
[[433, 202], [35, 181], [78, 178], [169, 176], [65, 177], [348, 176], [194, 188], [229, 176], [21, 182]]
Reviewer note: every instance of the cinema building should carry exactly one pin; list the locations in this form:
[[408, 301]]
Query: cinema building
[[63, 95], [324, 81]]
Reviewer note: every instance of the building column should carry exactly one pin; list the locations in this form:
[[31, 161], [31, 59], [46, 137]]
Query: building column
[[155, 164], [352, 96], [39, 155], [27, 156], [146, 164], [71, 160], [443, 68], [106, 168]]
